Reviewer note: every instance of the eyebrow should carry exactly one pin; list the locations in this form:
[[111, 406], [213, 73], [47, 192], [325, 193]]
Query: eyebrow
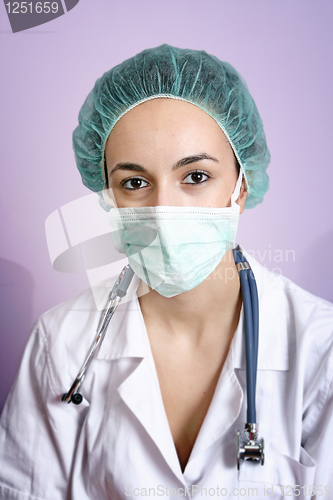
[[181, 163]]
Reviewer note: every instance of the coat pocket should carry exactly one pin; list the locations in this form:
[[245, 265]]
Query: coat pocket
[[280, 477]]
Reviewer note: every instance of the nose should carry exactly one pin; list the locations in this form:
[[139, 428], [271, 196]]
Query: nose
[[167, 194]]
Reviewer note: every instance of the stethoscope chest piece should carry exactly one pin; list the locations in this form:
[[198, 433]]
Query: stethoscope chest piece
[[249, 447]]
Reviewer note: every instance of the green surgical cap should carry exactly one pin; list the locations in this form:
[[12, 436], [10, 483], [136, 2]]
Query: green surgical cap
[[190, 75]]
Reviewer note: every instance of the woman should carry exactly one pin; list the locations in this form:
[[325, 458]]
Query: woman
[[174, 140]]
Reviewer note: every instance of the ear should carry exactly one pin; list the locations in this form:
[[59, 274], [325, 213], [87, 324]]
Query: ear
[[109, 197], [242, 197]]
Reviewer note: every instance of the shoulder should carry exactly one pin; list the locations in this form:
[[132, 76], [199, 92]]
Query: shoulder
[[69, 321], [296, 337], [75, 311], [68, 330], [300, 308], [64, 335], [297, 323]]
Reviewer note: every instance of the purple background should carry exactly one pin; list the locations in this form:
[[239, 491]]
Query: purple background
[[283, 48]]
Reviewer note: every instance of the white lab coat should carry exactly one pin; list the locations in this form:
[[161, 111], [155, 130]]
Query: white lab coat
[[117, 444]]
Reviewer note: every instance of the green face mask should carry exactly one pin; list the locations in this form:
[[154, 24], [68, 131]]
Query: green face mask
[[173, 249]]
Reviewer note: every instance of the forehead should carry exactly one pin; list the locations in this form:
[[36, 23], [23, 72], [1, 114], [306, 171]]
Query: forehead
[[167, 118]]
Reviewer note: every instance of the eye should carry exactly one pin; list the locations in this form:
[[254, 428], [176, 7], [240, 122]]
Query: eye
[[196, 177], [134, 183]]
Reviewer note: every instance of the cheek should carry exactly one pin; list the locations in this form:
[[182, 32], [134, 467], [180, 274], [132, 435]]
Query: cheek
[[224, 189], [219, 199], [215, 194], [115, 192]]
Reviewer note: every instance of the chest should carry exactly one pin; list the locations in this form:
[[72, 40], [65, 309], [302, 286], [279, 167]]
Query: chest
[[187, 379]]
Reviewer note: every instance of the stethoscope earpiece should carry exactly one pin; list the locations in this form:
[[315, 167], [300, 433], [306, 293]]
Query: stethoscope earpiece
[[77, 399]]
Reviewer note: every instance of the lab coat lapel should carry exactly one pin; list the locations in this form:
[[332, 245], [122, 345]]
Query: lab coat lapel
[[140, 390], [141, 393], [223, 410], [228, 397]]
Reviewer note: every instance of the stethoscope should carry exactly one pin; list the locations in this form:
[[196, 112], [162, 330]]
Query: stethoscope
[[249, 447]]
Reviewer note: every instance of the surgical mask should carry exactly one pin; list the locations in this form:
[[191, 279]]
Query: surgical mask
[[173, 249]]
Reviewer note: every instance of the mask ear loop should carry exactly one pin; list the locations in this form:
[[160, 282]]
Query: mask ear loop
[[107, 198], [105, 192], [235, 194]]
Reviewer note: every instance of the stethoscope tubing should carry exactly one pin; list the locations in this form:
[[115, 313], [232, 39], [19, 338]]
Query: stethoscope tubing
[[255, 318], [251, 319]]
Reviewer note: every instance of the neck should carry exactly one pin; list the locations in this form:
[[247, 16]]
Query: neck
[[207, 310]]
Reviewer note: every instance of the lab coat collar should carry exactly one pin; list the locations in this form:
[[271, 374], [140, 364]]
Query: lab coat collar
[[223, 409], [140, 390], [141, 393], [128, 336]]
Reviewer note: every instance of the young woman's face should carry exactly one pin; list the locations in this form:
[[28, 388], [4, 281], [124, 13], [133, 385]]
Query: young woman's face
[[170, 152]]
